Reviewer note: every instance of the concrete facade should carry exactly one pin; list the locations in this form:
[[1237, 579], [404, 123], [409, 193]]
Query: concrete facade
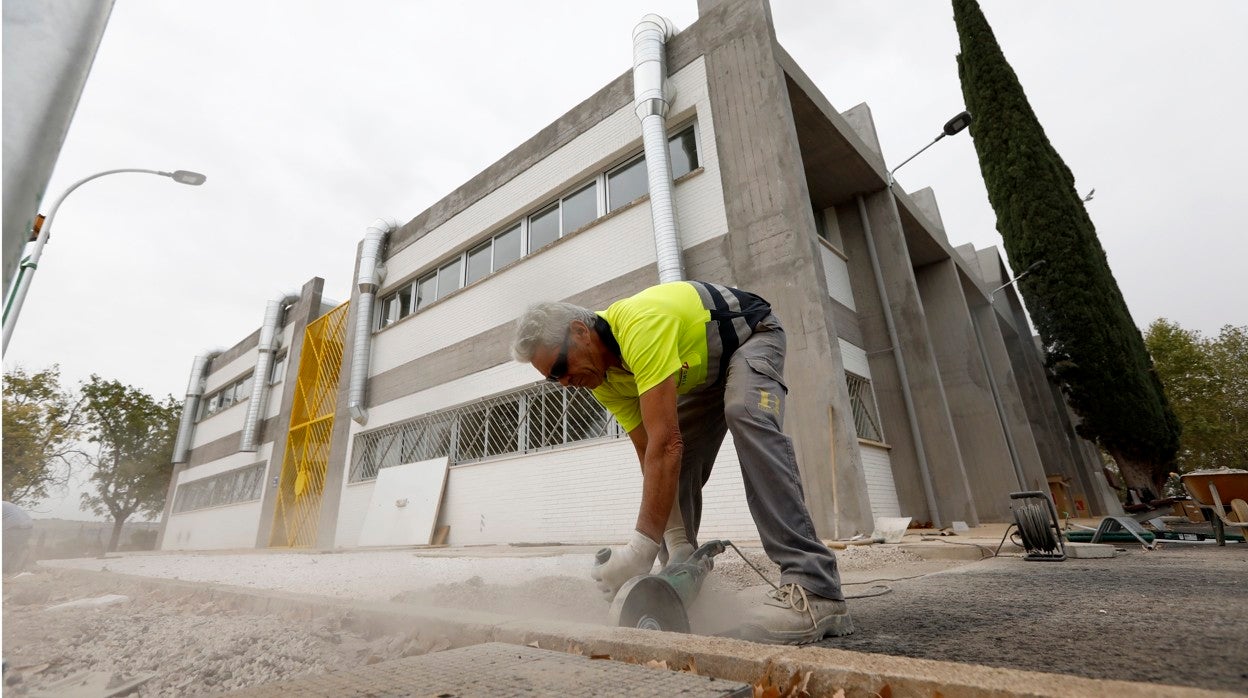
[[790, 199]]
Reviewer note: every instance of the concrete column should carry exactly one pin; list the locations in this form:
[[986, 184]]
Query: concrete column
[[771, 250], [1025, 448], [935, 425], [305, 310], [986, 453]]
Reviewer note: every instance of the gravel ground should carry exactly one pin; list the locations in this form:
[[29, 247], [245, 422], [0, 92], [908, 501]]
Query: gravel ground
[[187, 646], [192, 647], [1173, 616]]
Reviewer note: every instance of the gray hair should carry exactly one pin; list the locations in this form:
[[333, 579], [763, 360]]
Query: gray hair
[[545, 324]]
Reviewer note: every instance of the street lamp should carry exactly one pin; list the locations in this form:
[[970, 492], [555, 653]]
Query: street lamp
[[1034, 265], [26, 270], [951, 127]]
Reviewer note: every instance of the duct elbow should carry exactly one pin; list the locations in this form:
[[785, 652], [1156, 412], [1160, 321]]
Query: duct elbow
[[651, 94], [359, 414]]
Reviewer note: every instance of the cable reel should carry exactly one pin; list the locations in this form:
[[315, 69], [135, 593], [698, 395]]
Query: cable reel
[[1036, 520]]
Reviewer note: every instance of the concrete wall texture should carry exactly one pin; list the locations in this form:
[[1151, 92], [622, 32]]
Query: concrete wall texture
[[773, 155]]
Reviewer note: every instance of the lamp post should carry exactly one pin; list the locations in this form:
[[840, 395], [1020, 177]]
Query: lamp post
[[26, 271], [1034, 265], [951, 127]]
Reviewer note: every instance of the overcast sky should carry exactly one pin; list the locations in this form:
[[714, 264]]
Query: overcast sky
[[311, 118]]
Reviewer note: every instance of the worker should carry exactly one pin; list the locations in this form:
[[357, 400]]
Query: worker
[[679, 364]]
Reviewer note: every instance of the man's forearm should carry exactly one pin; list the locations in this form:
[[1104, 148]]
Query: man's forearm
[[660, 472]]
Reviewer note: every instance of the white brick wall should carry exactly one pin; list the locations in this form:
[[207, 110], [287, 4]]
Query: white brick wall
[[580, 494]]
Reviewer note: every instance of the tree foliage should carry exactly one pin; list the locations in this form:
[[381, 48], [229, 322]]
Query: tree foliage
[[1094, 351], [1206, 381], [42, 425], [135, 434]]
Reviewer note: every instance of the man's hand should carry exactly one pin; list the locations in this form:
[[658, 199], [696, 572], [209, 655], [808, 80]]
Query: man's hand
[[679, 548], [626, 562]]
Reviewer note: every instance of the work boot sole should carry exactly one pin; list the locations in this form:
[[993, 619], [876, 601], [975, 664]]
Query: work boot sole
[[832, 626]]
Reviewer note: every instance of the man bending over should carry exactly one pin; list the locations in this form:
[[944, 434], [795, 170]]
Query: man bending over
[[679, 365]]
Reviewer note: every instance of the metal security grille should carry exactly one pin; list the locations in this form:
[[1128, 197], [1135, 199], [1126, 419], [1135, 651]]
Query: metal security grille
[[538, 417], [862, 401], [240, 485], [306, 458]]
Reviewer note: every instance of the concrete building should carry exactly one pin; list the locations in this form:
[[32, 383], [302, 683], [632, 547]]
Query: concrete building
[[917, 387]]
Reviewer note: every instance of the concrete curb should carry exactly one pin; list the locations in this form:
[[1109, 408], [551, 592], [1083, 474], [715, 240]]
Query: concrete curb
[[861, 675]]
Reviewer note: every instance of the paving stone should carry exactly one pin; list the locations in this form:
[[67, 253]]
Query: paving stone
[[498, 670]]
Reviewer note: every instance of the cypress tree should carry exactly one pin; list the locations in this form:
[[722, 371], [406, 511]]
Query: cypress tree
[[1093, 349]]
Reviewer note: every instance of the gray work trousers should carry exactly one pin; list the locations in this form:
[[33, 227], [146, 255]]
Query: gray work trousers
[[749, 402]]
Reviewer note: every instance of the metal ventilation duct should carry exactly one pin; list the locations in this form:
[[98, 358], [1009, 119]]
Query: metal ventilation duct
[[270, 342], [372, 274], [652, 99], [194, 391]]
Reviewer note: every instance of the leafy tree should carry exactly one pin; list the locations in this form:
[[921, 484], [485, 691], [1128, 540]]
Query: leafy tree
[[42, 425], [1093, 349], [135, 435], [1206, 381]]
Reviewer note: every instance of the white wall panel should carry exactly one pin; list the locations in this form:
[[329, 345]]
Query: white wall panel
[[352, 509], [882, 491], [854, 359], [836, 272], [218, 528]]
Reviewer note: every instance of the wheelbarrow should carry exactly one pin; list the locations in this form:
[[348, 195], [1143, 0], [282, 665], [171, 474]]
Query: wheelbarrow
[[1210, 488]]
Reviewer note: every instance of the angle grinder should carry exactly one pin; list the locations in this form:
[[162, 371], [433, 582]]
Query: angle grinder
[[659, 601]]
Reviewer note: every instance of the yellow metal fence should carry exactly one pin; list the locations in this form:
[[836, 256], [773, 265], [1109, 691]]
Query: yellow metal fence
[[306, 459]]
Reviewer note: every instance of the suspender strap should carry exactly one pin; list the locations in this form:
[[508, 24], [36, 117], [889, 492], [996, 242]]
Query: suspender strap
[[735, 313]]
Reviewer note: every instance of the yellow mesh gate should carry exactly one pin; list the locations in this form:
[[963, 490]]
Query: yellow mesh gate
[[302, 481]]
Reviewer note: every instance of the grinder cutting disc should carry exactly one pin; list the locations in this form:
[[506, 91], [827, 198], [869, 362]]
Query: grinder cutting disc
[[650, 603]]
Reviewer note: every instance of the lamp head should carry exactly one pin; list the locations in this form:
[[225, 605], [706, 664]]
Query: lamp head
[[187, 177], [957, 123]]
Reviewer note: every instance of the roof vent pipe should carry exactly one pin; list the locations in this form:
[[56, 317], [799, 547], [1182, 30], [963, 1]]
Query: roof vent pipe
[[372, 274], [652, 98], [190, 408], [270, 342]]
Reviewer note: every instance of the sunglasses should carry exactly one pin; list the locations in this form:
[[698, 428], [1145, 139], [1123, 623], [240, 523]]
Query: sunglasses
[[559, 369]]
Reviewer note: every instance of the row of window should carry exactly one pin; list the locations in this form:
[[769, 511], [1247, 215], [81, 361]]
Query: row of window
[[535, 418], [603, 194], [240, 389], [232, 487], [226, 397]]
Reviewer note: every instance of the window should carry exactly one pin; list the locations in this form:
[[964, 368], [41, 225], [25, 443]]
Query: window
[[624, 185], [426, 290], [226, 397], [278, 371], [862, 402], [682, 152], [627, 184], [232, 487], [544, 227], [506, 248], [449, 278], [479, 262], [580, 208], [538, 417]]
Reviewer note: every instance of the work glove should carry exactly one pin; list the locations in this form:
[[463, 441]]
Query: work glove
[[679, 548], [624, 563]]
